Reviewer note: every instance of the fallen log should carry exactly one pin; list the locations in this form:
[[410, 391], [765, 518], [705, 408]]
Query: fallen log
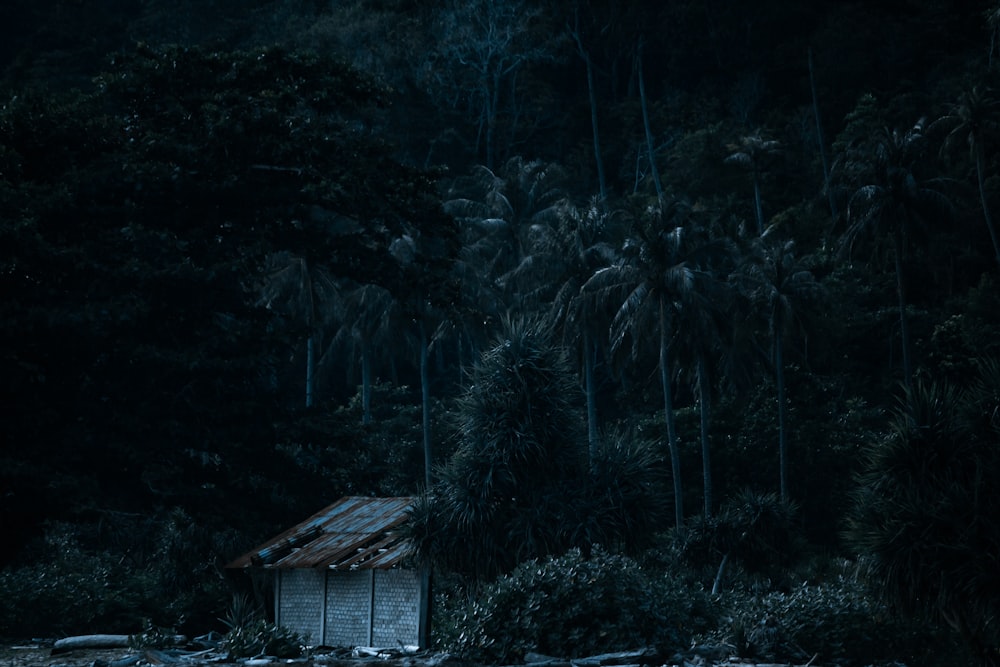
[[642, 656], [127, 661], [89, 641], [548, 663], [101, 641]]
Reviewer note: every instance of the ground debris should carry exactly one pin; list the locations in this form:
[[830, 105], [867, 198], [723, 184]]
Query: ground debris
[[207, 652]]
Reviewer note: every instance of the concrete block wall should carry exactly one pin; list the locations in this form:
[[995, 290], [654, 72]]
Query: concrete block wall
[[396, 617], [348, 608], [300, 602], [360, 608]]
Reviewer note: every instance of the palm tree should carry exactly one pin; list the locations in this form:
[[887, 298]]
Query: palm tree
[[780, 285], [370, 316], [701, 323], [500, 212], [578, 248], [974, 119], [660, 271], [309, 294], [475, 313], [755, 155], [893, 204], [423, 287]]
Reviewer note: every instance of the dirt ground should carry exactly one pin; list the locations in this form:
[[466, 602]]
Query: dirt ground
[[28, 655]]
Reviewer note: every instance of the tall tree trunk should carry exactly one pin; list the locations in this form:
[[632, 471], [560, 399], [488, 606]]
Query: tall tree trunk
[[425, 396], [592, 92], [366, 384], [904, 326], [591, 393], [758, 207], [491, 120], [306, 286], [704, 411], [668, 416], [779, 373], [650, 147], [310, 364], [981, 180], [821, 140], [461, 360]]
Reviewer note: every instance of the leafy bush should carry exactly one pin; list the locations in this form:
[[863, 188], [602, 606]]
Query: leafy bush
[[153, 636], [753, 530], [838, 620], [519, 485], [122, 575], [926, 517], [70, 590], [249, 635], [262, 638], [574, 606]]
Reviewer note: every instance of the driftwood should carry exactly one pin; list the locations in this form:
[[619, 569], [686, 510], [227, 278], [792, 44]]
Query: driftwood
[[98, 641], [89, 641], [640, 657], [548, 663], [636, 658]]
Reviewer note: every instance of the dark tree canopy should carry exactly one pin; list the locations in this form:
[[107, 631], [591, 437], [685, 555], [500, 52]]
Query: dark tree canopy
[[136, 220]]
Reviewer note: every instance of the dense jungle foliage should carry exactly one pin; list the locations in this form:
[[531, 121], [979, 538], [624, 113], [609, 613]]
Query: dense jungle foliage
[[701, 293]]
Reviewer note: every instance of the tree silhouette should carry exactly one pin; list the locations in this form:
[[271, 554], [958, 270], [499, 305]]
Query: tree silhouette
[[924, 516], [505, 216], [370, 317], [424, 285], [892, 204], [755, 155], [661, 270], [580, 248], [993, 21], [647, 126], [701, 322], [780, 285], [482, 47], [584, 52], [509, 492], [518, 485], [975, 119]]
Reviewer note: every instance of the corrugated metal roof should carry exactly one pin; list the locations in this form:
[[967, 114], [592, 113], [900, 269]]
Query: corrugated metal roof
[[354, 533]]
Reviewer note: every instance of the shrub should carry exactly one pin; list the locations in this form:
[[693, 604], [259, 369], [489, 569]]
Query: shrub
[[249, 635], [262, 638], [573, 606], [926, 517], [153, 636], [121, 575], [837, 620], [71, 590], [519, 485]]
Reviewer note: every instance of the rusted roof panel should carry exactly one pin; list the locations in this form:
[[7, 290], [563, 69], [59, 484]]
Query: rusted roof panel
[[354, 533]]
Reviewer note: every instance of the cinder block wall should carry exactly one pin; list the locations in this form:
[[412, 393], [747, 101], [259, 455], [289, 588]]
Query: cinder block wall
[[396, 619], [348, 608], [347, 617], [300, 602]]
